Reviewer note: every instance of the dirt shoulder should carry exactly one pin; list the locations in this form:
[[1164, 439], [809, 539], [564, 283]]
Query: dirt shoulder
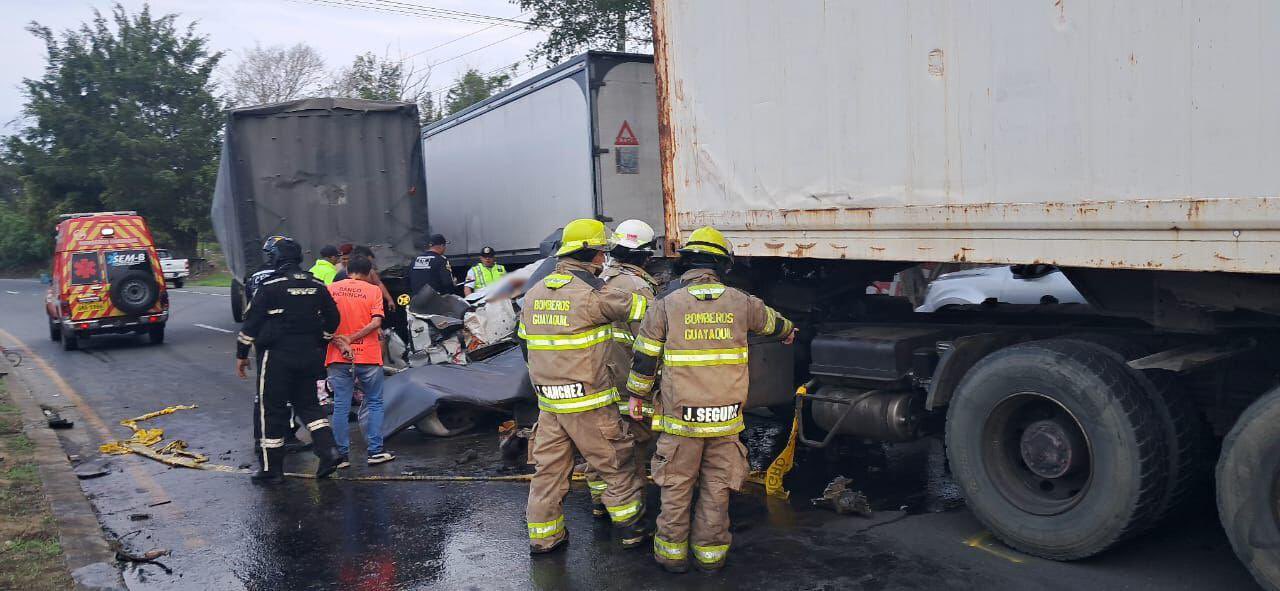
[[30, 554]]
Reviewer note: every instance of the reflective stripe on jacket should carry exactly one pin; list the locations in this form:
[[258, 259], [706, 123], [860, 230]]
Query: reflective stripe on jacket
[[567, 323]]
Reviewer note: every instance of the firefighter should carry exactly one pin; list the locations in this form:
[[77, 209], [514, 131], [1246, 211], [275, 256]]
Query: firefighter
[[291, 320], [566, 324], [698, 330], [633, 245]]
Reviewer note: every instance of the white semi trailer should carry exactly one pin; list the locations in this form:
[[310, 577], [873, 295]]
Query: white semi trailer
[[579, 140], [1132, 143]]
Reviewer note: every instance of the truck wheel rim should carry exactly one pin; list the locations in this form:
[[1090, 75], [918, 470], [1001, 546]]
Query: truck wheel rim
[[1037, 454], [134, 292]]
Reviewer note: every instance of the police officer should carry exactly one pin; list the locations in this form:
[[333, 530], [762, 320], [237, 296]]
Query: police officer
[[698, 329], [566, 324], [291, 319], [633, 245], [268, 270], [484, 273], [432, 268]]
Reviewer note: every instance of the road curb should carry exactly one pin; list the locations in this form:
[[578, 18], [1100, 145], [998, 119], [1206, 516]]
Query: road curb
[[89, 559]]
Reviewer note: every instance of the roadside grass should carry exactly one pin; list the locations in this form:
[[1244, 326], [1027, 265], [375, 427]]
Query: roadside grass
[[30, 555], [212, 280]]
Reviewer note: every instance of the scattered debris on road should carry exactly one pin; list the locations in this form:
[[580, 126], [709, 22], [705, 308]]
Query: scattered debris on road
[[55, 420], [92, 469], [839, 497], [148, 557]]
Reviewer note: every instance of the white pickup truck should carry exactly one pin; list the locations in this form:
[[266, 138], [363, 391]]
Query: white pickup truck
[[175, 270]]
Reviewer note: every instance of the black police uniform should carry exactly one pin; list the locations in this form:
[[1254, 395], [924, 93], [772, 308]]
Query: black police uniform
[[291, 320], [291, 442], [431, 268]]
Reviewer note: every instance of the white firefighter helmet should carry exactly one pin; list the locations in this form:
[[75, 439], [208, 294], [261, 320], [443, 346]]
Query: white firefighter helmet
[[634, 234]]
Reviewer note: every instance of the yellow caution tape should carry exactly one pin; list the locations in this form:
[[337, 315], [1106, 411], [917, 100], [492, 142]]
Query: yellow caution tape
[[785, 460], [143, 441]]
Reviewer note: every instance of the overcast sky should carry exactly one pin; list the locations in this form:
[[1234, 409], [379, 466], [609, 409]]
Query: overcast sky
[[231, 25]]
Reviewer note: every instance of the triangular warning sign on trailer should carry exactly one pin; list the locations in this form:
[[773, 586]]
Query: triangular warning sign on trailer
[[626, 137]]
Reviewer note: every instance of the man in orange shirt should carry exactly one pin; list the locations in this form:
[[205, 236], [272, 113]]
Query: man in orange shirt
[[360, 303]]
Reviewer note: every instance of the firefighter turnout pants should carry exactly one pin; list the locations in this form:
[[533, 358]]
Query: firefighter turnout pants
[[645, 442], [605, 441], [713, 466], [287, 377]]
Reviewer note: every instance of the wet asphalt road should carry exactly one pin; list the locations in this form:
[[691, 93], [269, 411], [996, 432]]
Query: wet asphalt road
[[224, 533]]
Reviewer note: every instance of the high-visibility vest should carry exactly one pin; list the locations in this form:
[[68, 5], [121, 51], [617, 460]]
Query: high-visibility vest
[[485, 276]]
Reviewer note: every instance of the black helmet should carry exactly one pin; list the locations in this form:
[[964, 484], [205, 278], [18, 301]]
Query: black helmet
[[282, 251]]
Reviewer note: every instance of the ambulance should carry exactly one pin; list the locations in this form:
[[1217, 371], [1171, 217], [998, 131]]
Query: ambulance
[[106, 279]]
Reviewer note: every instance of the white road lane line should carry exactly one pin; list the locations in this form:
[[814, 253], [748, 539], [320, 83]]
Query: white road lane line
[[214, 328], [10, 291], [223, 295]]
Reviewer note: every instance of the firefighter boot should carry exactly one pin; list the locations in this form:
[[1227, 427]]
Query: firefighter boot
[[327, 450], [294, 445], [633, 533], [562, 542], [272, 467]]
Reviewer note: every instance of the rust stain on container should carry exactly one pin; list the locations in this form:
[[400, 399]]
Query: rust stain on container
[[666, 135], [1193, 208]]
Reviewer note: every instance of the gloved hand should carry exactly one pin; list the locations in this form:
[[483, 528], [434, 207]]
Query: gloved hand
[[635, 407]]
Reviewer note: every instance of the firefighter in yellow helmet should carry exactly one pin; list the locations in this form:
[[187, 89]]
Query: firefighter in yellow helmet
[[567, 327], [632, 246], [698, 330]]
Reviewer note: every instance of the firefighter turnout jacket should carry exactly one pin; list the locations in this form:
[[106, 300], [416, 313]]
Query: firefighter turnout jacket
[[698, 330], [630, 279], [567, 324]]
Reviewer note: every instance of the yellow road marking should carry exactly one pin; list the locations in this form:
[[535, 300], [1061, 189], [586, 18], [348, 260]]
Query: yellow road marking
[[985, 542], [154, 489]]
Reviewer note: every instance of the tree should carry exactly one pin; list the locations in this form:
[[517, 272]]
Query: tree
[[577, 25], [275, 74], [20, 243], [472, 87], [385, 79], [123, 118]]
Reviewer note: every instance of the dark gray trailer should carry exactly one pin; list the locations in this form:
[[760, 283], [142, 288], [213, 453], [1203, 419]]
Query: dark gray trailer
[[321, 171]]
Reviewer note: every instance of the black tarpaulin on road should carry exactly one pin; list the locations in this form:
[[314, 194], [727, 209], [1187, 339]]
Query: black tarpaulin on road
[[494, 383]]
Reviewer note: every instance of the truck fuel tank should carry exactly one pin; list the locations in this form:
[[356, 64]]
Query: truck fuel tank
[[869, 414]]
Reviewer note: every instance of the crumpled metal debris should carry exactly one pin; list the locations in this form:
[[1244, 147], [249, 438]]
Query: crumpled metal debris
[[839, 497]]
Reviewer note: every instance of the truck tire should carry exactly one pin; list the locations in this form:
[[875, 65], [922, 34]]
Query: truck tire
[[237, 300], [1057, 448], [178, 283], [155, 334], [70, 341], [1249, 489], [134, 292], [1185, 432]]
